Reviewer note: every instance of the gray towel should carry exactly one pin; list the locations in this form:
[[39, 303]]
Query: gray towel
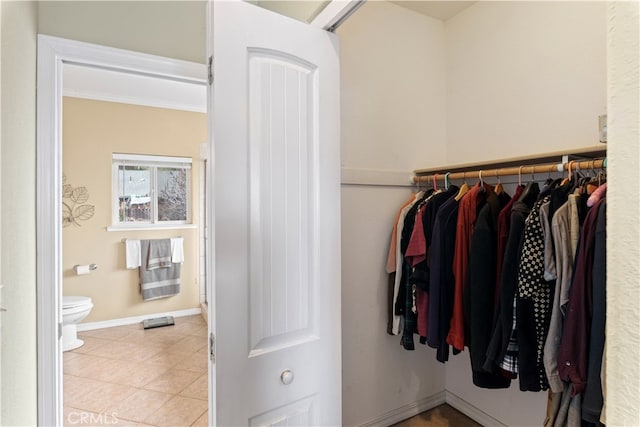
[[161, 280], [159, 254]]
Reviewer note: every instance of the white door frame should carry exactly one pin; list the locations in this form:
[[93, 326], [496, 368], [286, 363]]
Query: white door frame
[[53, 52], [335, 13]]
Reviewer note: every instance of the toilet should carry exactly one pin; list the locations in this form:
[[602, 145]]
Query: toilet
[[74, 309]]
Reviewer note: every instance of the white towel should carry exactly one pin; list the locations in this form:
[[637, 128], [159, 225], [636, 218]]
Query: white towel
[[177, 250], [133, 253]]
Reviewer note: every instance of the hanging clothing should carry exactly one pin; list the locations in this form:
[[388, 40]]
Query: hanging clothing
[[504, 223], [479, 291], [391, 255], [592, 399], [420, 275], [559, 197], [574, 346], [533, 304], [441, 278], [549, 272], [563, 410], [391, 263], [574, 224], [421, 272], [417, 248], [502, 351], [405, 304], [398, 309], [469, 205], [516, 281], [416, 256], [565, 230]]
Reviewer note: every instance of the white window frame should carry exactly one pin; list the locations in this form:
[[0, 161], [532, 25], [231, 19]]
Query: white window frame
[[153, 162]]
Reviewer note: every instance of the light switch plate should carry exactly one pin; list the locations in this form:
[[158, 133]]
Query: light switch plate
[[602, 128]]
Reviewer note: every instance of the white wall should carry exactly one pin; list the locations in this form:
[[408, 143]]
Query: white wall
[[392, 71], [1, 302], [393, 89], [510, 406], [623, 215], [175, 29], [524, 78], [18, 105], [378, 375]]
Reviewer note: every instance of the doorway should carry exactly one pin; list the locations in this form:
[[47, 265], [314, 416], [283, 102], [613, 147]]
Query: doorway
[[93, 202], [151, 129]]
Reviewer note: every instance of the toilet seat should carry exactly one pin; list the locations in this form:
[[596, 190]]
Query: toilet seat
[[74, 310], [75, 301]]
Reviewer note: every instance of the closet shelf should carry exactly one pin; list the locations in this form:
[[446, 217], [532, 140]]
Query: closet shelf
[[582, 158]]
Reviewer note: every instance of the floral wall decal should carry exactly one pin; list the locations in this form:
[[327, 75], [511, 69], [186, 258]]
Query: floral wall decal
[[74, 207]]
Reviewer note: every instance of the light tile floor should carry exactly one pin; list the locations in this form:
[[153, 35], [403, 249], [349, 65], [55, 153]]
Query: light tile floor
[[129, 376]]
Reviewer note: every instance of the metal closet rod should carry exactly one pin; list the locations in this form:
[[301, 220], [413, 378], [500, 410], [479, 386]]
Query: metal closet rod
[[516, 170]]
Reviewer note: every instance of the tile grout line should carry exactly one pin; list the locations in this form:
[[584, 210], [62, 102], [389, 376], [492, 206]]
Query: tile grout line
[[194, 329]]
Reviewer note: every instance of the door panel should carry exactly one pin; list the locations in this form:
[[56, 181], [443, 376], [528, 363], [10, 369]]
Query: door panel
[[277, 238], [300, 413], [282, 147]]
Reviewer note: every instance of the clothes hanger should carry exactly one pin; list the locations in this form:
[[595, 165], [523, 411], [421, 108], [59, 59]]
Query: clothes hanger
[[498, 188], [481, 183], [520, 175], [446, 180], [581, 181], [464, 188], [435, 184], [531, 190], [550, 184], [568, 179], [549, 180]]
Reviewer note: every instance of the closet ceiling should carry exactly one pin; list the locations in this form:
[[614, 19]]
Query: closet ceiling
[[442, 10], [307, 10]]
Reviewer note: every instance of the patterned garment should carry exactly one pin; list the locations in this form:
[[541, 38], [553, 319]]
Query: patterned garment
[[510, 361], [531, 283]]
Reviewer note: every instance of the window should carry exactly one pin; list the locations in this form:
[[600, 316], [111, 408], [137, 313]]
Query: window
[[151, 190]]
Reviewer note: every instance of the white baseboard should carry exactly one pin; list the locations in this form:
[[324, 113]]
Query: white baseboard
[[205, 312], [407, 411], [135, 319], [471, 411]]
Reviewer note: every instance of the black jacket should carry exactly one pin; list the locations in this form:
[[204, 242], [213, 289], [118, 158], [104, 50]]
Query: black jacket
[[592, 399], [503, 321], [479, 292]]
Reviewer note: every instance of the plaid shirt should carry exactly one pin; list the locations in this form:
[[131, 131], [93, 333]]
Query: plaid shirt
[[510, 361]]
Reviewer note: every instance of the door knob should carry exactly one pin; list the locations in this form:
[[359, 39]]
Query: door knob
[[286, 377]]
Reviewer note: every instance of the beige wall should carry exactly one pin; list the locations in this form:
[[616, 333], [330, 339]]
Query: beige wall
[[92, 132], [175, 29], [623, 215], [524, 77], [18, 195]]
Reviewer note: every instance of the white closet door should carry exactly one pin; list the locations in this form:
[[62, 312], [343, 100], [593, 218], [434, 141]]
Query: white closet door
[[277, 220]]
